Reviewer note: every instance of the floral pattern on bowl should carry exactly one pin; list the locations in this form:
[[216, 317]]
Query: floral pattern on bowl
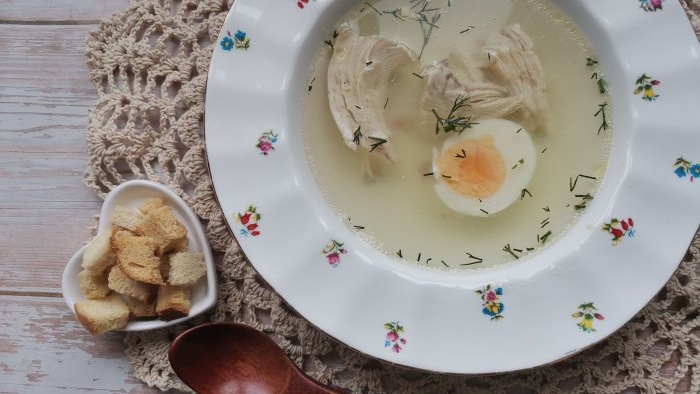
[[587, 315], [685, 168], [394, 338]]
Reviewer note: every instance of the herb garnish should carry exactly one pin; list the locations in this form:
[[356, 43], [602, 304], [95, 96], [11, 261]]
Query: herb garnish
[[357, 135], [467, 29], [359, 227], [477, 260], [376, 142], [386, 102], [573, 182], [399, 253], [426, 17], [375, 9], [524, 192], [585, 198], [311, 84], [462, 155], [428, 174], [484, 211], [418, 75], [601, 111], [454, 123], [509, 249]]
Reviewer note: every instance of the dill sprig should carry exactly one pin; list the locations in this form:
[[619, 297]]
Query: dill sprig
[[585, 198], [376, 142], [573, 182], [475, 260], [453, 122], [524, 192], [510, 250], [426, 17], [462, 155], [357, 135], [601, 111]]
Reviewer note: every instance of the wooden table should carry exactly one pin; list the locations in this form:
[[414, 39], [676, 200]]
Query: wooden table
[[45, 210]]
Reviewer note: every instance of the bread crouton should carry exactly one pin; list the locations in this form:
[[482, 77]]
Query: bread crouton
[[99, 316], [186, 268], [123, 284], [151, 204], [126, 218], [136, 257], [93, 286], [173, 302], [161, 224], [139, 310], [97, 255]]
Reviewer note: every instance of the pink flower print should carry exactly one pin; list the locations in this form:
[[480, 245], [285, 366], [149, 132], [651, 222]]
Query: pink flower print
[[266, 142], [491, 296], [332, 251], [392, 336], [333, 258], [265, 146]]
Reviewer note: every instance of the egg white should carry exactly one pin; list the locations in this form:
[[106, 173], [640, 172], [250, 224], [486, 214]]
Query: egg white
[[514, 144]]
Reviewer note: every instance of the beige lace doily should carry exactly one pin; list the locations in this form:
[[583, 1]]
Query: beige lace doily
[[150, 65]]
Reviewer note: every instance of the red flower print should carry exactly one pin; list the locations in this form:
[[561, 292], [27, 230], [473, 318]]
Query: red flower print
[[392, 336], [333, 258]]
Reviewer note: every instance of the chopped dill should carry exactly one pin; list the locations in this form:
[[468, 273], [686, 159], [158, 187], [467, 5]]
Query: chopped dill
[[357, 135], [444, 263], [446, 176], [453, 122], [573, 182], [519, 130], [399, 253], [428, 261], [462, 155], [374, 8], [386, 102], [376, 142], [524, 192], [368, 63], [358, 107], [544, 150], [543, 238], [585, 198], [484, 211], [546, 209], [428, 174], [311, 84], [418, 75], [601, 111], [426, 17], [419, 253], [467, 30], [509, 249], [477, 260], [359, 227]]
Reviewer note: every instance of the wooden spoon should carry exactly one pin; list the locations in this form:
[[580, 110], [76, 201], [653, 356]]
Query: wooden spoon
[[220, 358]]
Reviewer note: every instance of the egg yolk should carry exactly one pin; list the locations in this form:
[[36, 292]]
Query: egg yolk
[[473, 168]]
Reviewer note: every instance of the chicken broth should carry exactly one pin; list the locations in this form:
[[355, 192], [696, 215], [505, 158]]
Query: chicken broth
[[393, 205]]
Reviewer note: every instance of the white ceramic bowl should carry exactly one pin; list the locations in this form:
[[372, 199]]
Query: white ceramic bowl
[[132, 194]]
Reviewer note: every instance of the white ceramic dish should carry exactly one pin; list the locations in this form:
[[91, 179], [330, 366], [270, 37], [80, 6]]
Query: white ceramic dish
[[573, 294], [132, 194]]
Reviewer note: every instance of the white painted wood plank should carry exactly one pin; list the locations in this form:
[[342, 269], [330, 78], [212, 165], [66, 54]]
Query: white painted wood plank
[[59, 10], [43, 349]]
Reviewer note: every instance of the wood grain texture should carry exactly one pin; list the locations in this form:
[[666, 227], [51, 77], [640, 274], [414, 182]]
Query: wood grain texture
[[45, 210], [70, 11]]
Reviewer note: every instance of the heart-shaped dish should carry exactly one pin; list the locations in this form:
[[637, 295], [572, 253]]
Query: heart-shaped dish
[[131, 195]]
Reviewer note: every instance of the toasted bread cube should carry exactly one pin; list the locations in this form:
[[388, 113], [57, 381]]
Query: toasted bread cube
[[123, 284], [97, 256], [151, 204], [161, 224], [139, 310], [186, 268], [173, 302], [136, 257], [126, 218], [93, 286], [99, 316]]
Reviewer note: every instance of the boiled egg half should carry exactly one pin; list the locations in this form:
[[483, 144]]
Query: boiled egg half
[[484, 169]]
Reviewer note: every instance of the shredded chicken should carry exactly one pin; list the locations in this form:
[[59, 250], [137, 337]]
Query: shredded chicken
[[502, 79], [358, 79]]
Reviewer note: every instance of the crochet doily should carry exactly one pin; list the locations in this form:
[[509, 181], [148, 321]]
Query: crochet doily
[[149, 64]]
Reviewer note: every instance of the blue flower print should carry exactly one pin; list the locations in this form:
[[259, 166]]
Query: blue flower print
[[240, 36], [680, 172], [695, 171], [227, 44]]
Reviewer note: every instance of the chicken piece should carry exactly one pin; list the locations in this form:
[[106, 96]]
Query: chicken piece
[[358, 82], [502, 79]]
